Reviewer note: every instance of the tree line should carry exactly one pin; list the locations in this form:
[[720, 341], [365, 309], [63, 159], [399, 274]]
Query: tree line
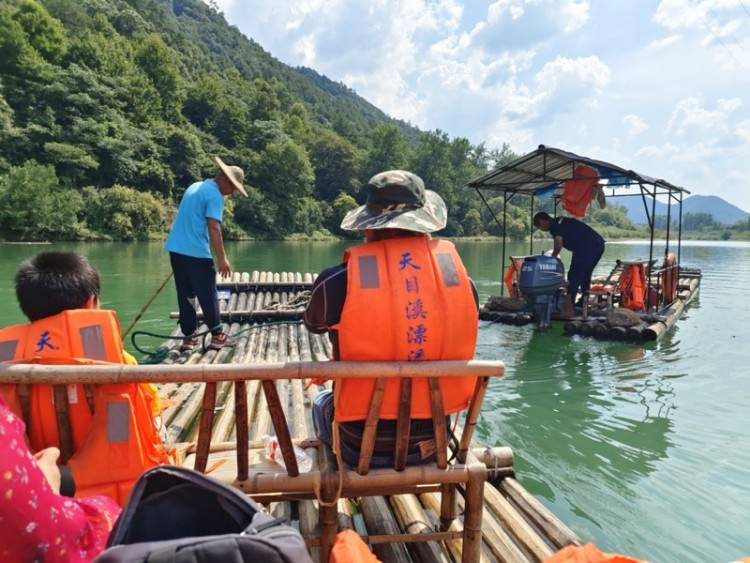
[[109, 109]]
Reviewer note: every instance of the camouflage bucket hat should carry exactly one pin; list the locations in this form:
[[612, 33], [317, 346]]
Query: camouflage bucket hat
[[397, 200]]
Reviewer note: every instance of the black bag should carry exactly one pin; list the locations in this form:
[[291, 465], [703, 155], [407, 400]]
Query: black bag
[[178, 515]]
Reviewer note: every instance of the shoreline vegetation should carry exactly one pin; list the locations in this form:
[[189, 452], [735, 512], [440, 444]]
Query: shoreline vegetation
[[109, 110], [640, 235]]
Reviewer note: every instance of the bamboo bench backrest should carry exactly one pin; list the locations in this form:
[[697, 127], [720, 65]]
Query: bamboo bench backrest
[[268, 374]]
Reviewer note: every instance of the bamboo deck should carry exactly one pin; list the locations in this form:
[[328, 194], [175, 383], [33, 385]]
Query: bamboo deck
[[516, 526], [595, 323]]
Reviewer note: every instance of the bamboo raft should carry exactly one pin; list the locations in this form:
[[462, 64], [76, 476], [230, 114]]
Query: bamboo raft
[[516, 527], [594, 322]]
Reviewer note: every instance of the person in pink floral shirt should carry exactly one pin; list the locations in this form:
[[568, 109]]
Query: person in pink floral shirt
[[36, 523]]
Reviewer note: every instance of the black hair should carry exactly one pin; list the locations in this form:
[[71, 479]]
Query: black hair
[[539, 216], [52, 282]]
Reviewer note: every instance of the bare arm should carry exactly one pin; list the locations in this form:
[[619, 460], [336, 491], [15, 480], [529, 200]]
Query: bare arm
[[217, 243], [557, 247]]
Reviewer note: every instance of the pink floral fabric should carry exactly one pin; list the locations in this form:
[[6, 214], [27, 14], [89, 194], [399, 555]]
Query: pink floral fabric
[[37, 524]]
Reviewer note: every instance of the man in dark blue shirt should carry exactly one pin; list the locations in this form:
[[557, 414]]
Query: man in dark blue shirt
[[584, 242]]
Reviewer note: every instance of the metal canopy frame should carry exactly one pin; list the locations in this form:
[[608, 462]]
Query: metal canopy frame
[[547, 169]]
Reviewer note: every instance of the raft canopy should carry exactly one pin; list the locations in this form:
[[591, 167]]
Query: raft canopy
[[545, 170]]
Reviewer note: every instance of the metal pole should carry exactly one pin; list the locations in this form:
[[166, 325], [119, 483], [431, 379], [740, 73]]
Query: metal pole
[[651, 245], [531, 228], [679, 235], [505, 222], [669, 221]]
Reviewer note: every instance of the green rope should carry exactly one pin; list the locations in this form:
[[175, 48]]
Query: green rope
[[159, 355]]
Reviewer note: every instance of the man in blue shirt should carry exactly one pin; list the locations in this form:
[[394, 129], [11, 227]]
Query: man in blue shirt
[[584, 242], [198, 220]]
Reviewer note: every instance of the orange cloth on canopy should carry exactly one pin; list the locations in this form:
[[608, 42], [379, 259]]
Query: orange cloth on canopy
[[579, 191], [512, 274], [588, 553], [349, 548], [633, 285]]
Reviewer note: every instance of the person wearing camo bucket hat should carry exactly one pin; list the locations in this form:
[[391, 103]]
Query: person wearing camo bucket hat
[[399, 296], [397, 199]]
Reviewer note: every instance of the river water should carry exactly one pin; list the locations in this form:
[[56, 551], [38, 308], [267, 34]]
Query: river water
[[641, 449]]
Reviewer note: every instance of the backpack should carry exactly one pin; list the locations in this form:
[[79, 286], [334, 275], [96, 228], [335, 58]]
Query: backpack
[[178, 515]]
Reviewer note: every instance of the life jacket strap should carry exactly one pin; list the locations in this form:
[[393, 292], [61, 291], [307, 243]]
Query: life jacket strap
[[64, 430]]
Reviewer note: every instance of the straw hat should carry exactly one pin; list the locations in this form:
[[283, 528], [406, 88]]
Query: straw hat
[[235, 174], [397, 199]]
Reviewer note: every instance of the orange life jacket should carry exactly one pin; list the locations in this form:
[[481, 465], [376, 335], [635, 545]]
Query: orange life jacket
[[407, 299], [350, 548], [579, 191], [633, 285], [669, 278], [511, 276], [112, 427]]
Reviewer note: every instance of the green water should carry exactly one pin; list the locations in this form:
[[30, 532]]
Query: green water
[[644, 450]]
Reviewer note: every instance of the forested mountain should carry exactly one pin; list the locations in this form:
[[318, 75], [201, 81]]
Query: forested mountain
[[109, 109]]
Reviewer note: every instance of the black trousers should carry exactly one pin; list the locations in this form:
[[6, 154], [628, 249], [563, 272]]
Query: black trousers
[[195, 277], [581, 268]]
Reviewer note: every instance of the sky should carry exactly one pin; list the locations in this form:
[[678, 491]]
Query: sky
[[661, 87]]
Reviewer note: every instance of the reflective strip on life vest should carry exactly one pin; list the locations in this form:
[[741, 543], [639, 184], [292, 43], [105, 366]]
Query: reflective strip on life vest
[[8, 350]]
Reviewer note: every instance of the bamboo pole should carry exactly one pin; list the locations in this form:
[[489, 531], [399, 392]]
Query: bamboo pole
[[308, 526], [380, 520], [353, 482], [249, 285], [557, 532], [413, 520], [246, 314], [37, 373], [516, 524], [431, 502], [474, 511], [655, 330], [497, 539], [635, 333]]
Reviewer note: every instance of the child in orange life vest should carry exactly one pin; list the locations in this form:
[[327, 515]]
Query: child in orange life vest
[[116, 440]]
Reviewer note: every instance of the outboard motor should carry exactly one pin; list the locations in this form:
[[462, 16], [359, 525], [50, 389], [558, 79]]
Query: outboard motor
[[541, 282]]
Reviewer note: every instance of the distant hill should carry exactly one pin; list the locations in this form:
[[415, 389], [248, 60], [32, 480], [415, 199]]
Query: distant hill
[[722, 211]]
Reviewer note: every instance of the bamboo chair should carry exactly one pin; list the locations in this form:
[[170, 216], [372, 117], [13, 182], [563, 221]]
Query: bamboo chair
[[329, 481], [613, 293]]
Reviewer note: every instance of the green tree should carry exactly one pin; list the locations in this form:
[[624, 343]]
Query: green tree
[[155, 60], [124, 213], [341, 206], [472, 223], [33, 206], [285, 176], [388, 151], [16, 53], [45, 33], [336, 162]]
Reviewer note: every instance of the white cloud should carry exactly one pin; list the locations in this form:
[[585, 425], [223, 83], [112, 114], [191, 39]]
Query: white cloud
[[722, 24], [666, 150], [743, 131], [690, 112], [635, 124], [653, 89], [665, 41]]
